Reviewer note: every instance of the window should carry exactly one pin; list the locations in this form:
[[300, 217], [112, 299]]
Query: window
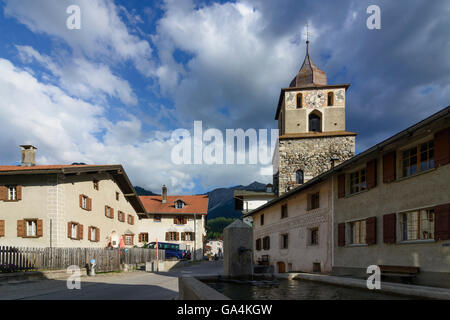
[[299, 100], [157, 218], [121, 216], [358, 181], [130, 219], [93, 234], [313, 201], [143, 237], [418, 159], [12, 193], [266, 243], [74, 230], [258, 244], [109, 212], [358, 232], [284, 211], [129, 239], [189, 236], [262, 219], [417, 225], [314, 240], [84, 202], [179, 204], [315, 123], [299, 177], [172, 236], [284, 241], [179, 220], [117, 196], [330, 99], [96, 185], [31, 226]]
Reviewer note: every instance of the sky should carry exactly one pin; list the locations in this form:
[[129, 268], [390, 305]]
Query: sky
[[114, 91]]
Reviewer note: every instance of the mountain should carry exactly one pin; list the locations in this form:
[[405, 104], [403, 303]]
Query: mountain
[[142, 192], [221, 201]]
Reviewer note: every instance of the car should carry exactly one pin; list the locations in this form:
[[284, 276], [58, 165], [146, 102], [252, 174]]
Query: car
[[172, 250]]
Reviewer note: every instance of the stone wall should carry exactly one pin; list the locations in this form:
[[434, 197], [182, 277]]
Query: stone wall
[[312, 155]]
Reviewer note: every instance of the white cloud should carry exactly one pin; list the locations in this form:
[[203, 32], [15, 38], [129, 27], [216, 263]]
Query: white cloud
[[83, 78]]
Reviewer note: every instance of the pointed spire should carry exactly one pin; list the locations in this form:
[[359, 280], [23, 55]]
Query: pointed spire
[[309, 74]]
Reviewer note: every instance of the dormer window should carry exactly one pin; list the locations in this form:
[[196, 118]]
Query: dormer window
[[179, 204]]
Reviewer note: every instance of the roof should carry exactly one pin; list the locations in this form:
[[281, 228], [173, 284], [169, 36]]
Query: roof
[[443, 114], [247, 193], [309, 74], [117, 172], [193, 204]]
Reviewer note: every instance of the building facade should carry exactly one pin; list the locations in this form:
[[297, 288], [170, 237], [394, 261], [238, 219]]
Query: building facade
[[175, 219], [66, 205], [312, 133], [392, 205], [248, 200]]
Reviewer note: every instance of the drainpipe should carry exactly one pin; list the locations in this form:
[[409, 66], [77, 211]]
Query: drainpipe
[[332, 221], [195, 236]]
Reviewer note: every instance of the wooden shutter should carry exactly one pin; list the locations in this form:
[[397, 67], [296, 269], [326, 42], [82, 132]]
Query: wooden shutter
[[258, 244], [183, 236], [167, 236], [132, 220], [19, 193], [81, 201], [184, 220], [341, 185], [442, 222], [21, 228], [2, 228], [390, 228], [97, 234], [140, 237], [341, 234], [389, 167], [112, 213], [69, 229], [89, 233], [3, 193], [106, 211], [371, 174], [371, 230], [39, 228], [442, 147], [193, 236], [177, 236], [89, 204], [80, 232]]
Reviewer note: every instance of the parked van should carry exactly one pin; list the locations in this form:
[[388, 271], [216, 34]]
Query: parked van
[[172, 250]]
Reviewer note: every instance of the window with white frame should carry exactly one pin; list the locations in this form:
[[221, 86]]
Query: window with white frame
[[129, 239], [84, 202], [189, 236], [417, 225], [31, 228], [179, 204], [12, 193], [74, 231], [358, 232], [94, 234]]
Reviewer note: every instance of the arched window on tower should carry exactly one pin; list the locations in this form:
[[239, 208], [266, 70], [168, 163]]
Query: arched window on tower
[[299, 177], [330, 99], [299, 101], [315, 124]]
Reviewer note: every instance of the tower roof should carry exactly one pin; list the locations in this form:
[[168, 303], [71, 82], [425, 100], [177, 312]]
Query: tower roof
[[309, 74]]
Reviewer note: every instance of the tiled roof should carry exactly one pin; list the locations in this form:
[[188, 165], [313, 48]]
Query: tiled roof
[[43, 167], [194, 204]]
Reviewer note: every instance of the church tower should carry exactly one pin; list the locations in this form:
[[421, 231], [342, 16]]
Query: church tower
[[311, 122]]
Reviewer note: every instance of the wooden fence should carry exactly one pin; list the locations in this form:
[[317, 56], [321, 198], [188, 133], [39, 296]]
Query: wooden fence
[[107, 260]]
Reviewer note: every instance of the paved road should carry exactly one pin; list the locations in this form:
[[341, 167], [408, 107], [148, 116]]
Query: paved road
[[137, 285]]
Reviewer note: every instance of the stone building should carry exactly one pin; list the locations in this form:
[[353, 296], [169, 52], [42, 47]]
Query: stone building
[[175, 219], [66, 205], [311, 122]]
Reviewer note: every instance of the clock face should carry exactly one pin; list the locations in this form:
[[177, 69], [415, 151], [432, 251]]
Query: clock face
[[315, 99]]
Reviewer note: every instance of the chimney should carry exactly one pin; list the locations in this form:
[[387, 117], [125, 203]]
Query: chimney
[[28, 155], [164, 194]]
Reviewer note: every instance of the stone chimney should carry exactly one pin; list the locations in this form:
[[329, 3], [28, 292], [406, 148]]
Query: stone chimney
[[164, 194], [28, 155]]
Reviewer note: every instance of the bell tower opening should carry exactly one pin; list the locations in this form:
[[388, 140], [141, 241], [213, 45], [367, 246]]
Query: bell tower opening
[[315, 122]]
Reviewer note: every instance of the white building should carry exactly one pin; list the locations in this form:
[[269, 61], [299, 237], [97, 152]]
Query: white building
[[246, 201], [215, 247], [175, 219]]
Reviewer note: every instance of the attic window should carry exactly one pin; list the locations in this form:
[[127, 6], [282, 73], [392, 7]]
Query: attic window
[[179, 204]]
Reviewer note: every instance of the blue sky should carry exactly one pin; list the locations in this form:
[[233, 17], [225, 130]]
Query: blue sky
[[114, 91]]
